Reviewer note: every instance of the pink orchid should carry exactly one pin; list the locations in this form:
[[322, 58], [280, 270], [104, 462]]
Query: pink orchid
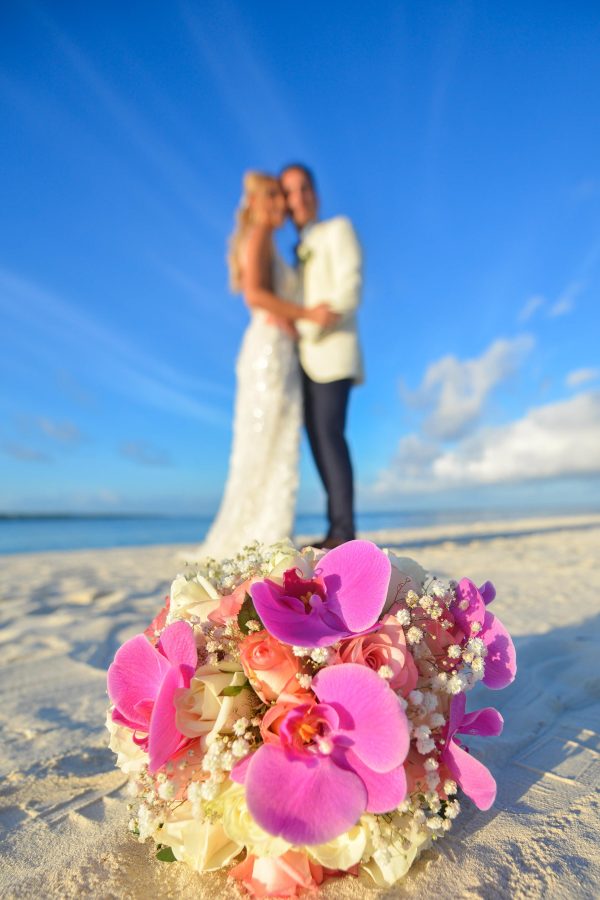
[[476, 781], [142, 682], [336, 759], [344, 598], [469, 611]]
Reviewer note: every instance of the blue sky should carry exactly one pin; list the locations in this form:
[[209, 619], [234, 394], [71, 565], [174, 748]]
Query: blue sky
[[463, 140]]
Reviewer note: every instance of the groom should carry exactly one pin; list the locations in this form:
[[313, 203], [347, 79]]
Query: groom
[[330, 262]]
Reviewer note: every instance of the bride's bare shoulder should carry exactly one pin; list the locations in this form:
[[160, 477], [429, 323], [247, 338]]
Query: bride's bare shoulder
[[257, 248], [258, 241], [256, 255]]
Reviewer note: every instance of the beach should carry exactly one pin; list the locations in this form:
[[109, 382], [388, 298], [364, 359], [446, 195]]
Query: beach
[[63, 804]]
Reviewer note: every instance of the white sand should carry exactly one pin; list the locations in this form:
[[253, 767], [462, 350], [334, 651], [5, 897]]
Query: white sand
[[63, 813]]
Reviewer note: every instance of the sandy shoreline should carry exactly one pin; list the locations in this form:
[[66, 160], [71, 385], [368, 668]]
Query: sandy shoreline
[[63, 812]]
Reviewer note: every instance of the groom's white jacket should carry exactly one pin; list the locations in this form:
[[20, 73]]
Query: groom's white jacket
[[331, 272]]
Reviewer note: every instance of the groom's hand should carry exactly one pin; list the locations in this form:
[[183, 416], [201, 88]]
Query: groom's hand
[[323, 316]]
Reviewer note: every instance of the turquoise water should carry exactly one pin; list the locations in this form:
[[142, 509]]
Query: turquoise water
[[38, 533]]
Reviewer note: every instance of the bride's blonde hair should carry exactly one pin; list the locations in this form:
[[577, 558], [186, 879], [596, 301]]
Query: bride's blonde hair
[[253, 183]]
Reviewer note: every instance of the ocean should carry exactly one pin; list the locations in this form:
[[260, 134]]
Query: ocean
[[25, 534]]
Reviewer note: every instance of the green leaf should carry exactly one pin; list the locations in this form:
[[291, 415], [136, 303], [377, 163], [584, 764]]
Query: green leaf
[[247, 613], [165, 854], [233, 690]]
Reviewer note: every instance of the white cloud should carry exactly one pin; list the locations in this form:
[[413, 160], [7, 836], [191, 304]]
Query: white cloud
[[530, 307], [566, 301], [555, 440], [415, 456], [65, 431], [455, 391], [144, 453], [24, 453], [581, 376]]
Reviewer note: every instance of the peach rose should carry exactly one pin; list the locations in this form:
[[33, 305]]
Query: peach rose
[[179, 777], [274, 716], [281, 876], [158, 623], [384, 647], [416, 773], [438, 636], [271, 667], [230, 605]]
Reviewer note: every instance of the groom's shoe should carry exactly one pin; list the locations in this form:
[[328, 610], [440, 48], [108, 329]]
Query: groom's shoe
[[330, 543]]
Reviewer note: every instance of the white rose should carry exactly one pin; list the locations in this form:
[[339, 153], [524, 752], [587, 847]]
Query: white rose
[[192, 596], [407, 575], [387, 866], [202, 712], [287, 557], [130, 758], [204, 846], [346, 850], [241, 827]]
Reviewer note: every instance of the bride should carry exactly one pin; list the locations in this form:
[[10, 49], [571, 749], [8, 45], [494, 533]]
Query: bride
[[260, 493]]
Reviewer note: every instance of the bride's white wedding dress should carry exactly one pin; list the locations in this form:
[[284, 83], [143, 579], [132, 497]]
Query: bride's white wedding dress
[[260, 494]]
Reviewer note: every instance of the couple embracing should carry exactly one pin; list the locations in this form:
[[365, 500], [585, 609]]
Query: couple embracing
[[299, 358]]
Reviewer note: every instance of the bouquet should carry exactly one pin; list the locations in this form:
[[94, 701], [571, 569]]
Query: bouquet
[[296, 715]]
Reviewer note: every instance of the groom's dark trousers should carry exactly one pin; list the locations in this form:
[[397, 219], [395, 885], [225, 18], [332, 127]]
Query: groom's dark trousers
[[325, 408]]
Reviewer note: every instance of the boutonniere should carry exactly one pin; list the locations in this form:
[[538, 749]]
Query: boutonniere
[[304, 253]]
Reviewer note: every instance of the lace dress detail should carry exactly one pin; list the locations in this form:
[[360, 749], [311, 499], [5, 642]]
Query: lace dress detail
[[260, 494]]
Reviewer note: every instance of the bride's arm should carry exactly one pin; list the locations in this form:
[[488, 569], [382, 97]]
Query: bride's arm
[[256, 279], [284, 325]]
